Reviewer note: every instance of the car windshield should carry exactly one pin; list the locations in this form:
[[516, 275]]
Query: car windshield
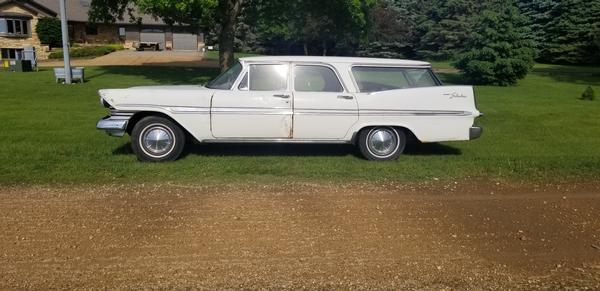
[[227, 78], [373, 79]]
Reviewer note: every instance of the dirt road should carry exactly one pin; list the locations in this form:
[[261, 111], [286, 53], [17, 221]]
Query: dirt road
[[433, 237]]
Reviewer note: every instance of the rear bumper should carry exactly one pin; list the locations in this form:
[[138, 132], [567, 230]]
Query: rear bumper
[[475, 132], [114, 126]]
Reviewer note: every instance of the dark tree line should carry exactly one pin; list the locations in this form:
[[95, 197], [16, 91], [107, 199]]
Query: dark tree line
[[491, 41], [562, 31]]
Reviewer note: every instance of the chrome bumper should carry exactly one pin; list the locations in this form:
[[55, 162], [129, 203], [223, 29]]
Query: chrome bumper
[[475, 132], [113, 125]]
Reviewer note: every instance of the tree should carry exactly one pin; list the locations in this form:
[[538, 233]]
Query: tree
[[197, 13], [570, 35], [49, 31], [390, 32], [311, 25], [448, 29], [537, 13], [499, 51]]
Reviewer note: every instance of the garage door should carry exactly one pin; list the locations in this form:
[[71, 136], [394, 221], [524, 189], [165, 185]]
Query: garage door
[[153, 35], [185, 41]]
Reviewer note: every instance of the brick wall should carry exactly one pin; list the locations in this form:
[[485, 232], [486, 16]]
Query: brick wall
[[33, 40]]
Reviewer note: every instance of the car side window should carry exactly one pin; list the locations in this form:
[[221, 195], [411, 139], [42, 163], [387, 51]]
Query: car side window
[[373, 79], [268, 77], [312, 78], [421, 78]]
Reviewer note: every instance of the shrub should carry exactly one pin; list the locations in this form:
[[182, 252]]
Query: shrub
[[88, 51], [588, 94], [498, 52], [49, 32]]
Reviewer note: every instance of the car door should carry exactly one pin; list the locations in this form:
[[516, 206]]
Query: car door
[[323, 109], [259, 108]]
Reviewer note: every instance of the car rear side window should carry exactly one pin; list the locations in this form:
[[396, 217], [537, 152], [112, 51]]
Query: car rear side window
[[373, 79], [312, 78], [270, 77]]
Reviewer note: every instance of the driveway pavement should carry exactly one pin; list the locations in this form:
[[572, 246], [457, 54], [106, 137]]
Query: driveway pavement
[[143, 58]]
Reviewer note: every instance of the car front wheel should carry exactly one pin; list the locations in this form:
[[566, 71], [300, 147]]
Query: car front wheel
[[381, 143], [157, 139]]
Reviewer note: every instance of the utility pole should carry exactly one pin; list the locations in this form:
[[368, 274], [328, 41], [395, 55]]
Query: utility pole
[[65, 41]]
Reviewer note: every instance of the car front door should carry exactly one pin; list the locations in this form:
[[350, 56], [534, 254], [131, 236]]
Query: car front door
[[259, 108], [322, 107]]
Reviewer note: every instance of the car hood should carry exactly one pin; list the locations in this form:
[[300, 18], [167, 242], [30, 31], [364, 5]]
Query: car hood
[[161, 96]]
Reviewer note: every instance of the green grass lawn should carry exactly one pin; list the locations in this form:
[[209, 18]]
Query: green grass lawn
[[538, 130]]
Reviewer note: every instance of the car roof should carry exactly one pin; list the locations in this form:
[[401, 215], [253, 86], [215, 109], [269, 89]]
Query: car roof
[[332, 60]]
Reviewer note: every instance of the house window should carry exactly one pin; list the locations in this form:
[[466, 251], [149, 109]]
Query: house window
[[14, 27], [11, 54]]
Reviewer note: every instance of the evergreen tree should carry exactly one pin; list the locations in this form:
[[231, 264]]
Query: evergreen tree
[[538, 17], [498, 51], [448, 27], [570, 35]]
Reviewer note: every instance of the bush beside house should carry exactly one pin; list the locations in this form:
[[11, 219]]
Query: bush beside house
[[88, 51]]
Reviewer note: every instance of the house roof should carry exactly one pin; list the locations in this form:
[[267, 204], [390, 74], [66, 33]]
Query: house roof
[[31, 6], [77, 10]]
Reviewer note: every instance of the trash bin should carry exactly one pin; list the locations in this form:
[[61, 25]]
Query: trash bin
[[30, 55], [20, 66]]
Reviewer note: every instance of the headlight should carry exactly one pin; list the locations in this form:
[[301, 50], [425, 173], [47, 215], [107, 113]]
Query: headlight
[[103, 102]]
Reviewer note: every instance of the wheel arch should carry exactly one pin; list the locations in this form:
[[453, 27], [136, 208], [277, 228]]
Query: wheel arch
[[142, 114], [410, 136]]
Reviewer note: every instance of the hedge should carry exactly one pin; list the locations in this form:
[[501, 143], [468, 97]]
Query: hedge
[[87, 51]]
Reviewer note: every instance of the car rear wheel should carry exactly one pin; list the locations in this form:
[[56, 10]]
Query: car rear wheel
[[157, 139], [381, 143]]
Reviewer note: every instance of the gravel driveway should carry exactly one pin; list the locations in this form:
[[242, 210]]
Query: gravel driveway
[[299, 236]]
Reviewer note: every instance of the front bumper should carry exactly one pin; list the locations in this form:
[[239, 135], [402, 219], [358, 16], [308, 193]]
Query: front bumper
[[475, 132], [113, 125]]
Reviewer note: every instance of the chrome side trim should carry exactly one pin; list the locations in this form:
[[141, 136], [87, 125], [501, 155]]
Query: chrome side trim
[[188, 110], [171, 108], [276, 140], [344, 112], [289, 111], [384, 112], [252, 111]]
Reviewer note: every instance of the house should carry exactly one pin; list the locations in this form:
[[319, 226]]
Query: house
[[18, 19]]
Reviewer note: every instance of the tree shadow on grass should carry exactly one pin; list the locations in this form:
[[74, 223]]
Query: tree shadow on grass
[[569, 74], [430, 149], [159, 74], [297, 150]]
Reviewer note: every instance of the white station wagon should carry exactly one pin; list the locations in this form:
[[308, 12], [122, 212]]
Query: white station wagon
[[376, 104]]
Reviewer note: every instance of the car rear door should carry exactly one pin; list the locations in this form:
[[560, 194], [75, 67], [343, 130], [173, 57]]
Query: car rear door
[[260, 107], [323, 109]]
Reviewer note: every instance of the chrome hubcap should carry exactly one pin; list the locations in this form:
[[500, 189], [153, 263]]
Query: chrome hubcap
[[157, 140], [382, 142]]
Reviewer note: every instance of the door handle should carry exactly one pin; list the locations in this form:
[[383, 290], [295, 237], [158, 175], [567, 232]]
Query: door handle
[[284, 96], [347, 97]]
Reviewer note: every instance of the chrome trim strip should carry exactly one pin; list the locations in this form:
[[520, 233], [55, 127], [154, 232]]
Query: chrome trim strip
[[384, 112], [345, 112], [188, 110], [289, 111], [276, 140], [252, 111], [172, 108]]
